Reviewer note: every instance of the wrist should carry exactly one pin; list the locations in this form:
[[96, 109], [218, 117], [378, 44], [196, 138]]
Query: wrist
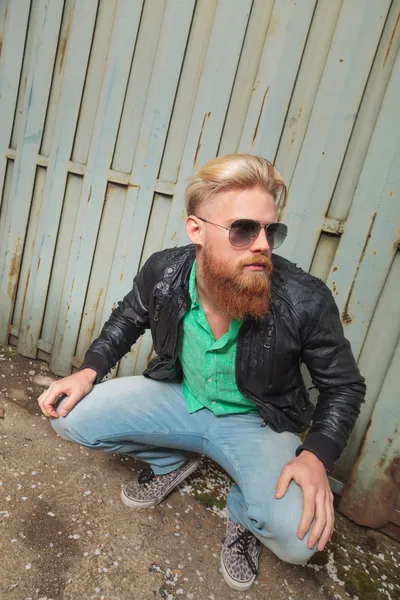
[[89, 374], [311, 457]]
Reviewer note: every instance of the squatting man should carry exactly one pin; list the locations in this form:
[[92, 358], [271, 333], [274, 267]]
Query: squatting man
[[231, 324]]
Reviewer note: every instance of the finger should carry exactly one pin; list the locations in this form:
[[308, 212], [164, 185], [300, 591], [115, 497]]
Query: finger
[[283, 482], [47, 403], [69, 404], [309, 495], [327, 532], [320, 519]]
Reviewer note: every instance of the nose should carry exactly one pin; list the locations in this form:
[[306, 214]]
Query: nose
[[261, 244]]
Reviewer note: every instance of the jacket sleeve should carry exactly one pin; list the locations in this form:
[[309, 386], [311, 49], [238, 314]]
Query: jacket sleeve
[[334, 372], [125, 325]]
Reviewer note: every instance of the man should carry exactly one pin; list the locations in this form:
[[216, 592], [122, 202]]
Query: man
[[231, 323]]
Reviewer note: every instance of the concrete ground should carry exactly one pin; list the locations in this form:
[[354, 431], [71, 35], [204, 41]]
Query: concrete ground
[[64, 534]]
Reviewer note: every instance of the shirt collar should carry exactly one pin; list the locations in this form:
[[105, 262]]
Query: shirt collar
[[192, 286]]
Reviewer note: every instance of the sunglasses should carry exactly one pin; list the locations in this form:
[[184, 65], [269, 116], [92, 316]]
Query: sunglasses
[[243, 232]]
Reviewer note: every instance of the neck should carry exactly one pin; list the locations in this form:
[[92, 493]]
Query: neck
[[205, 298]]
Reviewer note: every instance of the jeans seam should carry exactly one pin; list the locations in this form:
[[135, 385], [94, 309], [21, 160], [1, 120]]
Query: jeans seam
[[126, 436]]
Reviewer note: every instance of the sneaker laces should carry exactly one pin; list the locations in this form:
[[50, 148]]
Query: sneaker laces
[[146, 476], [243, 542]]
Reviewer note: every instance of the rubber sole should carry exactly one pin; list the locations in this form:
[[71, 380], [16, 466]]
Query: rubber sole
[[137, 504]]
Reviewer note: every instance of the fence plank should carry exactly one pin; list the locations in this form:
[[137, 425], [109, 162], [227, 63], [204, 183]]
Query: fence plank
[[38, 87], [273, 86], [108, 114], [149, 149], [339, 95], [12, 53], [76, 59], [369, 242], [211, 103]]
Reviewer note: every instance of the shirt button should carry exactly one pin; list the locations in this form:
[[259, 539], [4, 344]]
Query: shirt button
[[170, 270], [213, 402], [210, 380]]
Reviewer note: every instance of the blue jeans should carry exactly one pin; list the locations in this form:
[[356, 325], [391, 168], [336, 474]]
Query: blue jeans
[[148, 420]]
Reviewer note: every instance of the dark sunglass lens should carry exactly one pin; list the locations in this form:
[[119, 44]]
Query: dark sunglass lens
[[276, 233], [243, 232]]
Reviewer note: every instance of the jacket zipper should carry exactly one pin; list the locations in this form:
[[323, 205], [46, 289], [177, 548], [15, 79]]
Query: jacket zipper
[[180, 317], [268, 346]]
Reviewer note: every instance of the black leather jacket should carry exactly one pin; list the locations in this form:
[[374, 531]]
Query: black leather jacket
[[303, 326]]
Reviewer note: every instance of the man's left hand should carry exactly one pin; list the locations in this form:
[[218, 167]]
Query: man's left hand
[[310, 474]]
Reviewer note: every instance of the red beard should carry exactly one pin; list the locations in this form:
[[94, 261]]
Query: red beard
[[238, 293]]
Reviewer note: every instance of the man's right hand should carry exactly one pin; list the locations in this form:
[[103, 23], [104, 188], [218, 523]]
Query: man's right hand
[[75, 386]]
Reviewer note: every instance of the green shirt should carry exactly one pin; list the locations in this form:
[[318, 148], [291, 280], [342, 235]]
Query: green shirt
[[209, 366]]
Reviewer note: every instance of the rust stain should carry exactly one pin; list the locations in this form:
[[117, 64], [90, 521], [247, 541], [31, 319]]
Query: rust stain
[[64, 46], [149, 355], [39, 261], [26, 289], [391, 193], [205, 118], [95, 309], [373, 507], [335, 269], [121, 277], [391, 39], [334, 288], [346, 317], [14, 269], [259, 116], [90, 194]]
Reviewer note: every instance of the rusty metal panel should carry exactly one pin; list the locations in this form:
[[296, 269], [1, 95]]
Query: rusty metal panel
[[372, 490], [377, 352]]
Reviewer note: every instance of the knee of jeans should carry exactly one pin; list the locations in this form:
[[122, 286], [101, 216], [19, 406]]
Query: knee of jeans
[[276, 523], [294, 551], [59, 427]]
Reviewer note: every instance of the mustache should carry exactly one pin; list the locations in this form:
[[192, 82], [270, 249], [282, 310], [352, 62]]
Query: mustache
[[265, 261]]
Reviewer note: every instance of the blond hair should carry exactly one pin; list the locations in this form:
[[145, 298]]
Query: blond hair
[[233, 171]]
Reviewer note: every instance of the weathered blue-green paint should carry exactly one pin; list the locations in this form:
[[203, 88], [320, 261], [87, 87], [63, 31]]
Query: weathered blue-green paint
[[109, 106]]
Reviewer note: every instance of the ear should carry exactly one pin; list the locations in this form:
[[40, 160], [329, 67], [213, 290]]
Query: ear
[[194, 230]]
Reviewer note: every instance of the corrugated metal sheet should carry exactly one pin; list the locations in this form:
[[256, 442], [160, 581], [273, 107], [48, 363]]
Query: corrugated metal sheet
[[107, 107]]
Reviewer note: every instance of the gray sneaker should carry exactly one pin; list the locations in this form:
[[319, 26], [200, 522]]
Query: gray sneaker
[[239, 556], [151, 489]]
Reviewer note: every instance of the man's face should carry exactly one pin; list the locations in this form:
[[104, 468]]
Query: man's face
[[238, 278]]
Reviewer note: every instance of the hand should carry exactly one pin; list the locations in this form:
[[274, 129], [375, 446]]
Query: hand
[[75, 386], [310, 474]]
